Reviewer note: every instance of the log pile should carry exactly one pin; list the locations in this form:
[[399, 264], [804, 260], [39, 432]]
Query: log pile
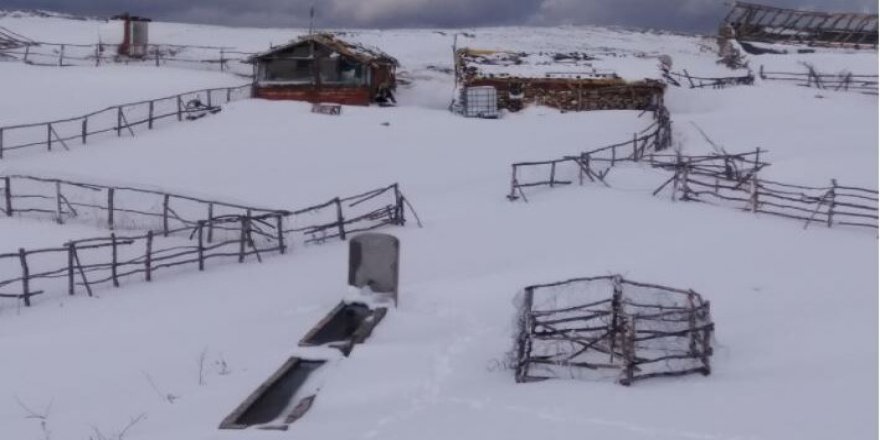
[[182, 231], [608, 327], [581, 89]]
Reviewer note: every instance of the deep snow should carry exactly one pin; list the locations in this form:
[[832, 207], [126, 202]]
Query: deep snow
[[795, 309]]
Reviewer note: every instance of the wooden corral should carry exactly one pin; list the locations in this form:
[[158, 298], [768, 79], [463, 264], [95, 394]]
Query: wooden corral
[[610, 327], [323, 68], [583, 88], [770, 24]]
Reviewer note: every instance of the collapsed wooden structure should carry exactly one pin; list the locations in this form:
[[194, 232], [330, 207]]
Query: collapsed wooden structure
[[181, 231], [769, 24], [570, 84], [324, 68], [608, 327]]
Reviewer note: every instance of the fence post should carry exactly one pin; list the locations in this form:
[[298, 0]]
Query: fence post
[[228, 94], [71, 289], [110, 192], [179, 108], [58, 212], [114, 262], [25, 277], [119, 121], [148, 260], [340, 219], [7, 194], [27, 50], [222, 61], [635, 147], [98, 49], [552, 174], [242, 239], [61, 56], [513, 183], [165, 200], [279, 230], [208, 92], [85, 129], [754, 195], [201, 226], [613, 155], [156, 51], [210, 222], [1, 143], [49, 136], [150, 117], [832, 193]]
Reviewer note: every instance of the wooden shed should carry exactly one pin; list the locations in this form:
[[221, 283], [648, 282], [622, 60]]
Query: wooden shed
[[324, 68]]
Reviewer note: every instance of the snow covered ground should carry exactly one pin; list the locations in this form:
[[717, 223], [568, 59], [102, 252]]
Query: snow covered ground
[[795, 310]]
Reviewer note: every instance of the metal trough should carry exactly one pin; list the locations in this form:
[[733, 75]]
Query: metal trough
[[274, 398], [345, 326]]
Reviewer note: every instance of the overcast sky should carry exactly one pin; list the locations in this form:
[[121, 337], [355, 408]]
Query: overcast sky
[[680, 15]]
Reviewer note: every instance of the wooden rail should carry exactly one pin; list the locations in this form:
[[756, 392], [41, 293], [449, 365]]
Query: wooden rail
[[116, 120]]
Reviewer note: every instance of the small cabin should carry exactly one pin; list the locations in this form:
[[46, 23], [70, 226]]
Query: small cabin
[[324, 68]]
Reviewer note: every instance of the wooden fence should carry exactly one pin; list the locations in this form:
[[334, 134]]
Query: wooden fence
[[181, 231], [656, 137], [844, 81], [224, 59], [698, 82], [832, 205], [722, 179], [608, 326], [117, 120]]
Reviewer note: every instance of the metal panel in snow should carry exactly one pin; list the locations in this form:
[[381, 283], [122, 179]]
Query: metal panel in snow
[[373, 261]]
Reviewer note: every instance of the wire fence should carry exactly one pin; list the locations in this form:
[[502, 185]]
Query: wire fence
[[222, 59], [182, 231], [118, 120]]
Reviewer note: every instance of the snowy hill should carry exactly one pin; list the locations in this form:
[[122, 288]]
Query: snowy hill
[[795, 309]]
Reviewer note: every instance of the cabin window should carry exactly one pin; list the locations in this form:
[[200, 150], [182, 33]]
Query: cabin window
[[336, 69], [289, 70]]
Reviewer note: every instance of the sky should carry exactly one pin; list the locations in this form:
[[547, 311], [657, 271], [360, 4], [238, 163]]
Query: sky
[[676, 15]]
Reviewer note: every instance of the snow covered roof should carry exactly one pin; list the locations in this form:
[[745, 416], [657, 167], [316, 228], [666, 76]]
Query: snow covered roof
[[508, 64], [359, 52]]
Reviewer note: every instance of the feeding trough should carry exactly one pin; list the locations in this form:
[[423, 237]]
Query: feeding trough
[[279, 401], [345, 326]]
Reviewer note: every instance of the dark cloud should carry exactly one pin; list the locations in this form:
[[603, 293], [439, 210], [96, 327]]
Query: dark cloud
[[682, 15]]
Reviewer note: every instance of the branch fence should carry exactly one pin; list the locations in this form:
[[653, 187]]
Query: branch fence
[[655, 137], [698, 82], [844, 81], [832, 205], [224, 59], [721, 179], [118, 120], [182, 231], [609, 327]]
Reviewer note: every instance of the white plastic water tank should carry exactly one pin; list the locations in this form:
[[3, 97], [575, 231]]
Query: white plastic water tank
[[480, 102]]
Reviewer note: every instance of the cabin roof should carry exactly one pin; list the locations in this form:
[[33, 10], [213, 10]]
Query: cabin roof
[[359, 52]]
